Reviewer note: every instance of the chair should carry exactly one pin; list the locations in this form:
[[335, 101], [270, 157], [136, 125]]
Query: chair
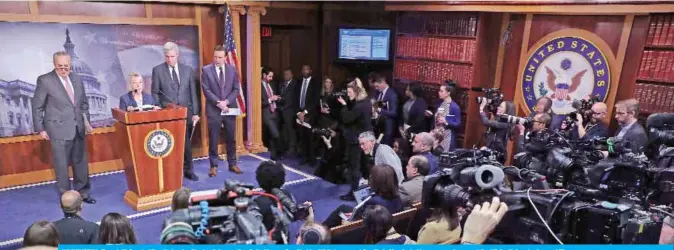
[[354, 232]]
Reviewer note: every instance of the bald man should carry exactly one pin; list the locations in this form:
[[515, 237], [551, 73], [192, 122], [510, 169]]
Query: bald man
[[72, 228], [595, 128]]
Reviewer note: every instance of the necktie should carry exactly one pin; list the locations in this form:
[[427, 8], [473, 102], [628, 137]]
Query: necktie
[[174, 75], [381, 95], [272, 105], [221, 78], [304, 92], [69, 89]]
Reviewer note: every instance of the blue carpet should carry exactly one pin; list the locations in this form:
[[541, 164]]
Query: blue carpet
[[22, 207]]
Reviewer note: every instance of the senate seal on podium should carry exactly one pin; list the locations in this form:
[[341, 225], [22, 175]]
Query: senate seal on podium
[[565, 69], [159, 143]]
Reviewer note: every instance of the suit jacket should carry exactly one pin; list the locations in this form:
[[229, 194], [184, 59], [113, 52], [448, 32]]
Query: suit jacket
[[417, 118], [75, 230], [127, 100], [391, 111], [266, 112], [54, 112], [636, 136], [288, 92], [311, 99], [165, 91], [213, 90], [410, 190]]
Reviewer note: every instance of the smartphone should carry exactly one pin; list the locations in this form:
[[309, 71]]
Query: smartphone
[[343, 216]]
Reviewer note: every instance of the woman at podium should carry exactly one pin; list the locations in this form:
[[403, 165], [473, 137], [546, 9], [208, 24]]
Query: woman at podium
[[136, 100]]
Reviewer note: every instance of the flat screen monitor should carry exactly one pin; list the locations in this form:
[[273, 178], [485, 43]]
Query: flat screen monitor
[[364, 44]]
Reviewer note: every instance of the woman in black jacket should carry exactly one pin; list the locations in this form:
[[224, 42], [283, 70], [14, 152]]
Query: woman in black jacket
[[414, 119], [498, 133], [356, 115]]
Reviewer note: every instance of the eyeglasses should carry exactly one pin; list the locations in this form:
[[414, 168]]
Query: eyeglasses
[[620, 113]]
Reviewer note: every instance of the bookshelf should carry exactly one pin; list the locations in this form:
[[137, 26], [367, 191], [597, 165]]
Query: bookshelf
[[655, 78], [434, 47]]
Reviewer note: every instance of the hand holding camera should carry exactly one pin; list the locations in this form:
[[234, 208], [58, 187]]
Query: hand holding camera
[[341, 100]]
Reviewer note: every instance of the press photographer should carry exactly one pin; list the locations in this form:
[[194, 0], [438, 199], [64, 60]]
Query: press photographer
[[270, 175], [590, 125], [356, 118], [538, 124], [498, 133], [331, 165]]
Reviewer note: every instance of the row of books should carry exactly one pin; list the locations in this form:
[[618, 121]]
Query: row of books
[[438, 24], [661, 30], [436, 48], [433, 72], [654, 98], [657, 66]]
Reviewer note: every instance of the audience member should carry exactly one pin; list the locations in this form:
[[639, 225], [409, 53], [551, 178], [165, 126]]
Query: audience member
[[378, 223], [443, 225], [402, 149], [410, 189], [384, 186], [41, 233], [422, 145], [116, 229], [414, 120], [482, 221], [181, 199], [72, 228], [381, 153], [438, 136]]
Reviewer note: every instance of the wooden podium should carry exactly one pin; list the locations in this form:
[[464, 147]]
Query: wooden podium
[[152, 145]]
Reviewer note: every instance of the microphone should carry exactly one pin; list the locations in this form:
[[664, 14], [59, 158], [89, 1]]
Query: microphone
[[166, 96], [661, 120]]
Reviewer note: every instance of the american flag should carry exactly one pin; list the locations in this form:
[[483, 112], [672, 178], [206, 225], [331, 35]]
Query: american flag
[[231, 58]]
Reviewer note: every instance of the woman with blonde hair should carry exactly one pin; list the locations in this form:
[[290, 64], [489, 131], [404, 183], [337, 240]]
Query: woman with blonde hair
[[356, 115], [136, 100]]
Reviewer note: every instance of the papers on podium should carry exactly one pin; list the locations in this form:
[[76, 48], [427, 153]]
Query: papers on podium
[[231, 111]]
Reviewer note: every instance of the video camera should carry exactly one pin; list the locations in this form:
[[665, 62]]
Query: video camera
[[492, 97], [322, 132], [582, 107], [341, 93], [228, 217]]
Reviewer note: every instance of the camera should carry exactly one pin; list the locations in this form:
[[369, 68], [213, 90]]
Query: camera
[[341, 93], [492, 97], [661, 129], [228, 217], [582, 107], [511, 119], [381, 104], [322, 132]]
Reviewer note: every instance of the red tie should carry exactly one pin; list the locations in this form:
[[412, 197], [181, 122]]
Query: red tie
[[272, 106], [69, 89]]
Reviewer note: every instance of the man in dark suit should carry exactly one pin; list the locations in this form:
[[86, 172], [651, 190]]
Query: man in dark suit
[[221, 86], [176, 83], [288, 106], [308, 94], [72, 228], [61, 115], [626, 113], [388, 110], [270, 112]]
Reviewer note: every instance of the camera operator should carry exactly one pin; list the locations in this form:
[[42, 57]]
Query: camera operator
[[270, 175], [422, 145], [329, 167], [544, 105], [356, 118], [497, 134], [539, 123], [626, 113], [386, 109], [594, 128]]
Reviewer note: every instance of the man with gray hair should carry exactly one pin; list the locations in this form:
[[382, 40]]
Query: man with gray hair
[[60, 115], [73, 229], [422, 145], [382, 153], [174, 82], [410, 189]]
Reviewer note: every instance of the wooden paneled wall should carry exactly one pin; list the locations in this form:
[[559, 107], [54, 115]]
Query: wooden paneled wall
[[26, 159]]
